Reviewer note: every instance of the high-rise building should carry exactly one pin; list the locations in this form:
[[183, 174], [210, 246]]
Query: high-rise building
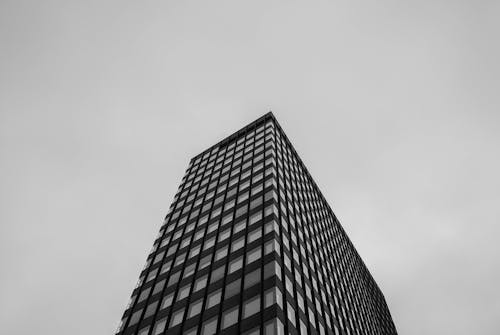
[[250, 246]]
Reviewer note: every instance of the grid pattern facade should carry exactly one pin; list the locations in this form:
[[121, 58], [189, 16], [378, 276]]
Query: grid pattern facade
[[250, 246]]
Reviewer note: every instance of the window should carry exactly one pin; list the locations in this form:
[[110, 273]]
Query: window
[[185, 242], [184, 292], [213, 227], [256, 203], [232, 289], [180, 259], [177, 235], [213, 299], [252, 278], [269, 247], [174, 278], [209, 243], [194, 251], [159, 326], [300, 302], [239, 226], [159, 257], [217, 274], [135, 317], [258, 188], [312, 319], [205, 261], [209, 327], [241, 211], [289, 285], [151, 309], [251, 307], [230, 317], [190, 228], [216, 212], [167, 300], [221, 253], [177, 318], [243, 197], [271, 270], [291, 314], [200, 283], [235, 265], [271, 226], [255, 331], [198, 235], [303, 328], [274, 327], [254, 235], [228, 218], [144, 294], [159, 286], [271, 209], [189, 270], [225, 234], [195, 308], [229, 204], [255, 217], [144, 331], [238, 244], [269, 297], [254, 255], [165, 267]]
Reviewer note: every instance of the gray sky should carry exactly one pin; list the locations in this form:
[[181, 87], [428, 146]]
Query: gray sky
[[393, 106]]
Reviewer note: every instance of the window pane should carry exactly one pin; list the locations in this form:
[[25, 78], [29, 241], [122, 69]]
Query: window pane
[[159, 286], [269, 298], [217, 274], [254, 235], [238, 244], [177, 318], [159, 326], [205, 262], [195, 308], [251, 307], [209, 327], [189, 270], [291, 314], [255, 331], [174, 278], [270, 328], [200, 283], [303, 328], [269, 247], [254, 255], [221, 253], [167, 300], [225, 234], [213, 299], [232, 288], [144, 294], [236, 265], [239, 226], [230, 317], [252, 278], [184, 292], [151, 309]]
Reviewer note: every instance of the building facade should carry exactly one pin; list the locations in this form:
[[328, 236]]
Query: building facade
[[250, 246]]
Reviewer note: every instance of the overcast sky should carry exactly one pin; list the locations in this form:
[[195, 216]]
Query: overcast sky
[[392, 105]]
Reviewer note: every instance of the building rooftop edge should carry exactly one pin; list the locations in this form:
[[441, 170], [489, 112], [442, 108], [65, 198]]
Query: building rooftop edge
[[236, 134]]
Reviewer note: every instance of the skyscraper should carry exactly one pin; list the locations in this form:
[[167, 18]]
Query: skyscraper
[[250, 246]]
